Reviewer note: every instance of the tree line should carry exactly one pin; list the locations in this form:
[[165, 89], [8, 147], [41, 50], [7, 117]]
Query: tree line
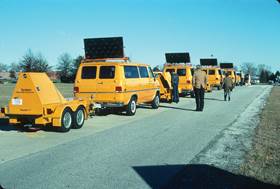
[[67, 67]]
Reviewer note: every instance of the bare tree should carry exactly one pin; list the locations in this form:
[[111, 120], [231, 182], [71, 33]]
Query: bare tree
[[249, 68], [4, 67], [33, 63], [65, 68]]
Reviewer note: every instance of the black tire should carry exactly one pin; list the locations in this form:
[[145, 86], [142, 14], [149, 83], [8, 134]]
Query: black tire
[[219, 87], [131, 107], [155, 102], [66, 120], [78, 118]]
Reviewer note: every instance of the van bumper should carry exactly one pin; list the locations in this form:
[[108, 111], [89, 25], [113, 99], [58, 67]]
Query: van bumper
[[111, 105]]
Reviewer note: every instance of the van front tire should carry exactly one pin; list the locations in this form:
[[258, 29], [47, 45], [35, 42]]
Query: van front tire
[[155, 102], [131, 107]]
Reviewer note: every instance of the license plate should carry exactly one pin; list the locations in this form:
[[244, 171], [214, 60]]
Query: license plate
[[16, 101], [97, 105]]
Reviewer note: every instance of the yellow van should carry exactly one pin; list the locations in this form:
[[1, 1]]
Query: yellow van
[[215, 77], [185, 72], [117, 84]]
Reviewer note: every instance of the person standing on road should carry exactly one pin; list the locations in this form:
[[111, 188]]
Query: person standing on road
[[228, 86], [175, 84], [199, 85]]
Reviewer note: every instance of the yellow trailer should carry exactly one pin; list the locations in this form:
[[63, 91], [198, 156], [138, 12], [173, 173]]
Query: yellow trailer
[[36, 101], [164, 79]]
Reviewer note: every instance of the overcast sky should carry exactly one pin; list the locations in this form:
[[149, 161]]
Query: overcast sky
[[232, 30]]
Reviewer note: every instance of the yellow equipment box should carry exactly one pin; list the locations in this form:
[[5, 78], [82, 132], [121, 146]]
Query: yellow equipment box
[[36, 101], [164, 79]]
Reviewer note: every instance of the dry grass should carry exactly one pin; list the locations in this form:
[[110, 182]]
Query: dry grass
[[263, 160]]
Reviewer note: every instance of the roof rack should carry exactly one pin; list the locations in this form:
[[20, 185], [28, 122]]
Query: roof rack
[[124, 59]]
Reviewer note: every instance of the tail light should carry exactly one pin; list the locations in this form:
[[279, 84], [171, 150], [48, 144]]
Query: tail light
[[217, 78], [118, 89], [76, 89], [188, 81]]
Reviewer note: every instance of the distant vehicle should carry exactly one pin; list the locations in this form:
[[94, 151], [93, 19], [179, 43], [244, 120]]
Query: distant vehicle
[[180, 63]]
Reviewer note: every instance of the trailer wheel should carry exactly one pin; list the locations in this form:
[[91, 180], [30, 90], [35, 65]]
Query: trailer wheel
[[155, 102], [79, 118], [131, 107], [66, 120]]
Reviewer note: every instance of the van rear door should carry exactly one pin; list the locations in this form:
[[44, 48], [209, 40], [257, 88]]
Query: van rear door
[[85, 84], [106, 84]]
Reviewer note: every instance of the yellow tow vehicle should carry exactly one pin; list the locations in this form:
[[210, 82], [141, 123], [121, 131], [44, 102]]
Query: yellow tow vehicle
[[36, 101], [180, 63], [164, 79], [112, 81]]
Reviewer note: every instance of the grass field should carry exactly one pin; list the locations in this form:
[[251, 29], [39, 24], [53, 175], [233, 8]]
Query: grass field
[[6, 91]]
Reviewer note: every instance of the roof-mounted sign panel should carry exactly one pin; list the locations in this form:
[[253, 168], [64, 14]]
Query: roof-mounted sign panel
[[102, 48], [226, 65], [177, 57], [208, 62]]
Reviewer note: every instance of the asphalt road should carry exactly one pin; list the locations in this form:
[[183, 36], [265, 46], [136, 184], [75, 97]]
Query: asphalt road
[[116, 151]]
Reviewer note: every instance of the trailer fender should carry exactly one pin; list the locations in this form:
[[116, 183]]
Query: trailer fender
[[57, 114]]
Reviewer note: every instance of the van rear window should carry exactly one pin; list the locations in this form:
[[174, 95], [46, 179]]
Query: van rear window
[[143, 72], [192, 71], [107, 72], [181, 72], [89, 72], [131, 72], [170, 70], [220, 72], [211, 72]]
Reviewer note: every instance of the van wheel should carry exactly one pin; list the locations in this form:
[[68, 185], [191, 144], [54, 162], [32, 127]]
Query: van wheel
[[66, 120], [219, 87], [192, 94], [131, 107], [79, 118], [155, 102]]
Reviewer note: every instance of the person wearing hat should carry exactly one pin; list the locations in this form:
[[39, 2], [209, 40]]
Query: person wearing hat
[[228, 86], [199, 84]]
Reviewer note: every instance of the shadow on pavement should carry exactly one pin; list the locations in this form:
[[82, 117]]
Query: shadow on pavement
[[177, 108], [213, 99], [5, 126], [196, 176]]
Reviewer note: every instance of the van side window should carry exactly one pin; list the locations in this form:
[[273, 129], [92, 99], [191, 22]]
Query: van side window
[[131, 72], [211, 72], [107, 72], [181, 72], [151, 72], [89, 72], [143, 72]]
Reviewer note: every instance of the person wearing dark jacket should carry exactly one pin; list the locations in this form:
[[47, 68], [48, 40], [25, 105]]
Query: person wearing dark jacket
[[228, 86], [175, 84]]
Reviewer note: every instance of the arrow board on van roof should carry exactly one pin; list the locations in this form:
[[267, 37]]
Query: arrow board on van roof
[[177, 57], [101, 48], [208, 62], [226, 65]]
